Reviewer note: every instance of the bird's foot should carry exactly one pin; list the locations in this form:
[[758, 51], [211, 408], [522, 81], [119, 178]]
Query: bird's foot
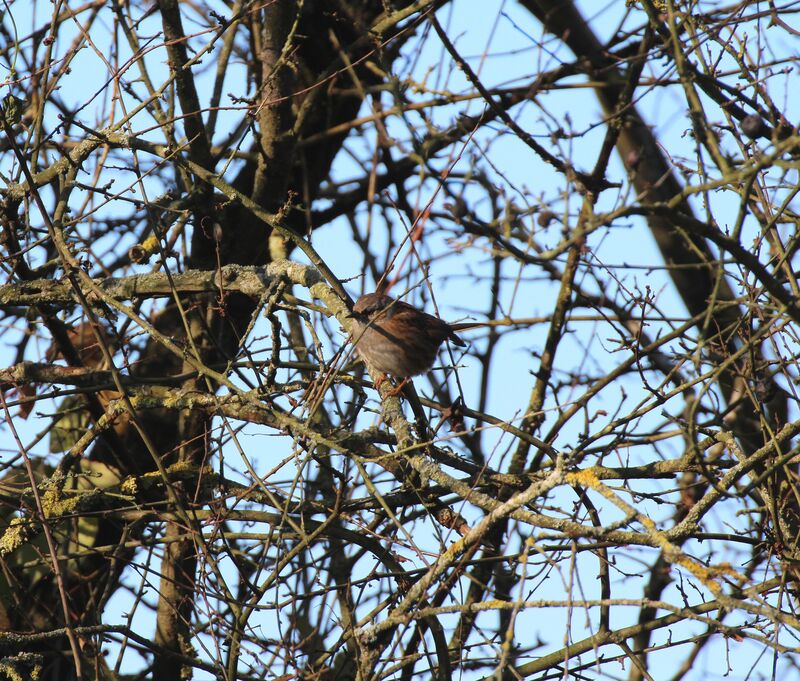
[[394, 392]]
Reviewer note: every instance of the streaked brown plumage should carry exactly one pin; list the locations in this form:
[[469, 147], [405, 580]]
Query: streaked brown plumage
[[396, 338]]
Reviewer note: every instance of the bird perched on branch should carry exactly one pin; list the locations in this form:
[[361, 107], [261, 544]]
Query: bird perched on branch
[[396, 338]]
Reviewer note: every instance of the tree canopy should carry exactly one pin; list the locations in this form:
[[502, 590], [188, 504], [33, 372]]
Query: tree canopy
[[201, 479]]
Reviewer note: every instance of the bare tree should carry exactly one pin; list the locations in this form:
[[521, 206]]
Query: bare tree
[[200, 477]]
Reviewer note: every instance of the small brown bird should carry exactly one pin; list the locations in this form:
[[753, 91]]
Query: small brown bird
[[396, 338]]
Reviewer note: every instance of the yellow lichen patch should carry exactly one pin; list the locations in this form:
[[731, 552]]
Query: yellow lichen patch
[[585, 478], [140, 253], [706, 574], [14, 536], [11, 672], [129, 485], [181, 467], [180, 470], [134, 484], [660, 5], [55, 505]]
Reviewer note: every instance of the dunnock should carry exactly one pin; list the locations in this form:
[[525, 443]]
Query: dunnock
[[396, 338]]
